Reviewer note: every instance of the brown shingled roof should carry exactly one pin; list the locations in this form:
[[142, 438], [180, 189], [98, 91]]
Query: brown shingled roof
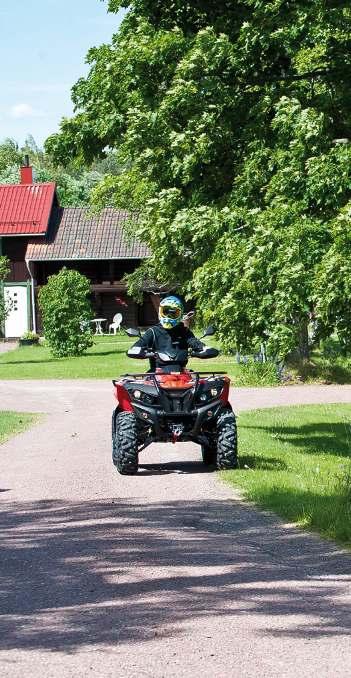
[[75, 234]]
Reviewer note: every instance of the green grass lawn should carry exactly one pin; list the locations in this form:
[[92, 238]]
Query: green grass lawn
[[14, 422], [296, 461], [105, 360]]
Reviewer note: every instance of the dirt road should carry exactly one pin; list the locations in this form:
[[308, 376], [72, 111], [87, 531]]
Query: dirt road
[[166, 574]]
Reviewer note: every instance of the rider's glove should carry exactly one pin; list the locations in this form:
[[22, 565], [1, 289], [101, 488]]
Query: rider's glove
[[137, 352]]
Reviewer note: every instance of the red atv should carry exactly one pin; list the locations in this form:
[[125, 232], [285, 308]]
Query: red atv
[[183, 406]]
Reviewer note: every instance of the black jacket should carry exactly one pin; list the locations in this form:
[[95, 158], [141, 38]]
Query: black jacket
[[174, 342]]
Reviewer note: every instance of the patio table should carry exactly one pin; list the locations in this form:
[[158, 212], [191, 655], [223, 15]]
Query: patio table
[[98, 324]]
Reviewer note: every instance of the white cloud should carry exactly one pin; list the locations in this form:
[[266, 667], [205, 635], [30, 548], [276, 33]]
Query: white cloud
[[20, 111]]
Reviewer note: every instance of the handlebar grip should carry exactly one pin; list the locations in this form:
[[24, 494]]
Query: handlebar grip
[[138, 353]]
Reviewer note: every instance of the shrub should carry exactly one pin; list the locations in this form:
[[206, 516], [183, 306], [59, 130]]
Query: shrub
[[258, 374], [29, 338], [66, 312], [5, 306], [32, 336]]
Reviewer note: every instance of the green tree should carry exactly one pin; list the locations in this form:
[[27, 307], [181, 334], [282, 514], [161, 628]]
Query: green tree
[[74, 184], [4, 268], [10, 154], [333, 282], [223, 116], [66, 311], [73, 189]]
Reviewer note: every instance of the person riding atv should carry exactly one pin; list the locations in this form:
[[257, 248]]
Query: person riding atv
[[170, 337], [170, 403]]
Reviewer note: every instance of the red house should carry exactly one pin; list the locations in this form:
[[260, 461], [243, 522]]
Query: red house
[[39, 237]]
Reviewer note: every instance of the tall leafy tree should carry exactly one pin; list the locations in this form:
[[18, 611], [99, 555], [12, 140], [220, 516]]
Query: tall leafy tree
[[224, 116]]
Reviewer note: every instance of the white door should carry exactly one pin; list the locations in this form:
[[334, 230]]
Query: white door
[[16, 322]]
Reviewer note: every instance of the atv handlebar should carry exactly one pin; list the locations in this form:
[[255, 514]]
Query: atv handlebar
[[138, 353], [161, 356], [206, 353]]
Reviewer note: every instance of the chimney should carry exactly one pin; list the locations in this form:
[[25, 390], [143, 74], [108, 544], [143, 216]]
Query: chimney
[[26, 172]]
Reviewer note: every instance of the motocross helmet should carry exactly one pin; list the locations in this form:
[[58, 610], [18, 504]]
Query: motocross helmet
[[171, 312]]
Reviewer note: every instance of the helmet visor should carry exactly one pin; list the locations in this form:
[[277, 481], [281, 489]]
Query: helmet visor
[[170, 312]]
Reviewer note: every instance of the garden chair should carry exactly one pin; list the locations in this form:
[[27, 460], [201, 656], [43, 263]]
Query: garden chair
[[116, 323]]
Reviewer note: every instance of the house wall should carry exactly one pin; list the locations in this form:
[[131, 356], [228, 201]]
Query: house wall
[[148, 310], [101, 273], [107, 290], [15, 249], [98, 271], [105, 305]]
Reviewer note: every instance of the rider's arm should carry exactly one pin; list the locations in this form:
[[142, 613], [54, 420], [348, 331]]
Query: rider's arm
[[141, 346], [196, 345], [193, 342]]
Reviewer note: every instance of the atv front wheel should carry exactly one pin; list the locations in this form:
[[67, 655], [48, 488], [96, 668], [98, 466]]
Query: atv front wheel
[[125, 443], [227, 441]]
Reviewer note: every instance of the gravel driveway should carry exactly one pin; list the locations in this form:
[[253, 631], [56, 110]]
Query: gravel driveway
[[165, 574]]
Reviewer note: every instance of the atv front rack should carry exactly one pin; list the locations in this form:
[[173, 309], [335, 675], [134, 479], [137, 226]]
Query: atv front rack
[[154, 378], [159, 374]]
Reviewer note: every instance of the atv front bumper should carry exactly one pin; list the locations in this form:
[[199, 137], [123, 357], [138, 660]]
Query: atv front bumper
[[190, 423]]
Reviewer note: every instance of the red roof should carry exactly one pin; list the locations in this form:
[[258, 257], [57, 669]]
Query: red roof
[[25, 208]]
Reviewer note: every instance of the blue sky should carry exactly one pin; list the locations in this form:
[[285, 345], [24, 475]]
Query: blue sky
[[42, 53]]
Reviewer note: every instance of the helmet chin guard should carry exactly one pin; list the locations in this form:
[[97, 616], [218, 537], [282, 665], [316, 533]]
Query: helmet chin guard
[[171, 312]]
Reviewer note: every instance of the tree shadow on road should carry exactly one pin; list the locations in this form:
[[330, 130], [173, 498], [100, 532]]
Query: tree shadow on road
[[114, 572]]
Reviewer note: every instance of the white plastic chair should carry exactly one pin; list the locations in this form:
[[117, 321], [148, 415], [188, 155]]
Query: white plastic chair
[[116, 323]]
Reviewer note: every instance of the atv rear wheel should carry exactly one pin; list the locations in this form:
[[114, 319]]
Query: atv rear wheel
[[227, 441], [125, 443]]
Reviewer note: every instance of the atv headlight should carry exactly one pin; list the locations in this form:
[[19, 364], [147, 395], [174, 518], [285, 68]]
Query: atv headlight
[[143, 397]]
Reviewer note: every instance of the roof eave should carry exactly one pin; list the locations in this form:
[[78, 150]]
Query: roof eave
[[145, 256], [23, 235]]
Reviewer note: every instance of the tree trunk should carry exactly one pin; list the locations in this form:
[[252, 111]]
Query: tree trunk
[[303, 347]]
